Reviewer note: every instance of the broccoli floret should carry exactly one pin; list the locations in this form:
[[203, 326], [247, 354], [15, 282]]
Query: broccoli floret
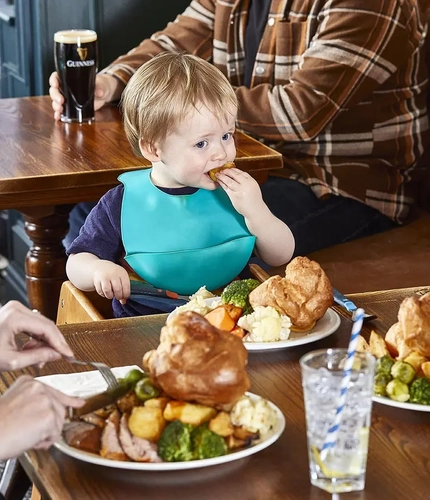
[[397, 390], [420, 391], [174, 444], [207, 444], [237, 293], [384, 365], [380, 384]]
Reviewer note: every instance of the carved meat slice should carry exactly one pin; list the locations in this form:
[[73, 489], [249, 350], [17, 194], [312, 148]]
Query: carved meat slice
[[83, 435], [138, 449], [111, 447]]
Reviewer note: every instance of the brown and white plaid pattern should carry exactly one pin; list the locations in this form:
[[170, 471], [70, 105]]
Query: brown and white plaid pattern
[[339, 87]]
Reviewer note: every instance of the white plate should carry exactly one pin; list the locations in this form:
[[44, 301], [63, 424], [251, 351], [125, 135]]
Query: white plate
[[324, 327], [79, 383], [398, 404]]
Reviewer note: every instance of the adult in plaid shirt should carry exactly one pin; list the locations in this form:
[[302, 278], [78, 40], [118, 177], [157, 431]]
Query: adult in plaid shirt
[[338, 86]]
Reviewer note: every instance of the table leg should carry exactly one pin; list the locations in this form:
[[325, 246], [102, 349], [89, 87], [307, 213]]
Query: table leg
[[45, 262]]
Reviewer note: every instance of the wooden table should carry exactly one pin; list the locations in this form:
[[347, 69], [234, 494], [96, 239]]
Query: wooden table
[[398, 466], [46, 167]]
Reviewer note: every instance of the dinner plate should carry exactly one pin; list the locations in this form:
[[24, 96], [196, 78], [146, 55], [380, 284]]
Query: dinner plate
[[398, 404], [324, 327], [78, 384]]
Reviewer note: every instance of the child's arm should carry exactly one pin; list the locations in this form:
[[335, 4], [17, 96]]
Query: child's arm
[[88, 273], [275, 242]]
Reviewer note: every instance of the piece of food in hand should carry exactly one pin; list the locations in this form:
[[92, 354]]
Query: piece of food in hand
[[378, 346], [197, 362], [237, 293], [414, 319], [147, 422], [188, 413], [304, 294], [214, 171]]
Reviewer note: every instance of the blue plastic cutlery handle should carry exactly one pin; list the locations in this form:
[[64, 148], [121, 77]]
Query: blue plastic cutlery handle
[[340, 299]]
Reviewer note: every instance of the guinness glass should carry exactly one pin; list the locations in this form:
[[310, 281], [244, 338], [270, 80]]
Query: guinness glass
[[76, 64]]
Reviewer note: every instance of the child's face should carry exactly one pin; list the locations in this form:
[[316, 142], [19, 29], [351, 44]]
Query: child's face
[[199, 144]]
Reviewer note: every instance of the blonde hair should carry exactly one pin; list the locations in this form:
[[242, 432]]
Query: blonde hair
[[164, 89]]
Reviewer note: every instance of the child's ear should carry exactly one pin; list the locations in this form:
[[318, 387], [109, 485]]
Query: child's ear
[[149, 151]]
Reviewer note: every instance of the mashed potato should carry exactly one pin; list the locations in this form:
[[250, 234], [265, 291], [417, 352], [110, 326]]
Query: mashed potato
[[254, 415], [265, 324]]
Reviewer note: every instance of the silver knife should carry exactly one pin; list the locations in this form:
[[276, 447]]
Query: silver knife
[[349, 305], [99, 401]]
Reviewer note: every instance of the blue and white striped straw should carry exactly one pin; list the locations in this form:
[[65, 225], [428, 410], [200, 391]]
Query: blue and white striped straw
[[331, 437]]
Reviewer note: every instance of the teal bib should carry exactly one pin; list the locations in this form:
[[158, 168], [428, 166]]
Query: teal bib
[[182, 242]]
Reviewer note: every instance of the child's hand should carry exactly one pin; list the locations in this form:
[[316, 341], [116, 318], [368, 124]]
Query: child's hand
[[111, 280], [242, 189]]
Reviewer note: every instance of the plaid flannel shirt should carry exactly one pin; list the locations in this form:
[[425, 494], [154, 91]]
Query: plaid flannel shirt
[[338, 86]]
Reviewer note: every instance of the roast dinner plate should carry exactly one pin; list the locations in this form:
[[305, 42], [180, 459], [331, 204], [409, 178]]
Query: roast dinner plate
[[84, 384], [397, 404], [324, 327]]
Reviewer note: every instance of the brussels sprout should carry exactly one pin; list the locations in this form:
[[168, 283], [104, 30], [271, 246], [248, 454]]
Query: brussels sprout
[[145, 389], [380, 384], [403, 371], [397, 390], [384, 365], [134, 376]]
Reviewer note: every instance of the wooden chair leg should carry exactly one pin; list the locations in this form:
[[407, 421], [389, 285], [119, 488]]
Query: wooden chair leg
[[35, 495], [14, 483]]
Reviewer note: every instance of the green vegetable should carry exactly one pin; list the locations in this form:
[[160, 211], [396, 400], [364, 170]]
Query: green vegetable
[[384, 365], [145, 389], [420, 391], [237, 293], [133, 376], [380, 384], [403, 371], [207, 444], [174, 444], [397, 390]]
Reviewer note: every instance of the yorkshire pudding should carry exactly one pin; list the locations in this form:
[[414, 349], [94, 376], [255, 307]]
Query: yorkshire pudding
[[304, 295], [414, 320], [214, 171], [198, 362]]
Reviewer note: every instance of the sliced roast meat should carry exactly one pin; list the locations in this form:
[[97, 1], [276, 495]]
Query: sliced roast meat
[[138, 449], [83, 435], [111, 447]]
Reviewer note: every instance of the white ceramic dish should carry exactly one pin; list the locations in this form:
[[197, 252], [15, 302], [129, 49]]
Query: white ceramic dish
[[324, 327], [397, 404], [83, 384]]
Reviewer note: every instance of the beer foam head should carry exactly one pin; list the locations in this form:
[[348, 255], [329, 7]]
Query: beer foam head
[[75, 36], [162, 92]]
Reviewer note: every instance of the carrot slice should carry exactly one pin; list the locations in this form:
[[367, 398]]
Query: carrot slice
[[220, 318]]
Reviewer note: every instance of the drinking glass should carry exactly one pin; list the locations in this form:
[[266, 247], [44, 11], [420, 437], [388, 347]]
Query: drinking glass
[[341, 468], [76, 57]]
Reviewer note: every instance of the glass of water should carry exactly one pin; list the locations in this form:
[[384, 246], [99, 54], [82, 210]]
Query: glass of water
[[341, 468]]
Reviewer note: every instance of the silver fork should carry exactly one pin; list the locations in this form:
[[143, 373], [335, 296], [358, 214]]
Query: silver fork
[[105, 371]]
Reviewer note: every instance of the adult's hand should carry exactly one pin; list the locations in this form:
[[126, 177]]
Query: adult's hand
[[47, 342], [107, 89], [32, 416]]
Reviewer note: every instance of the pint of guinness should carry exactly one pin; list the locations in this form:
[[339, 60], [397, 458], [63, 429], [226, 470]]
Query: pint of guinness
[[76, 64]]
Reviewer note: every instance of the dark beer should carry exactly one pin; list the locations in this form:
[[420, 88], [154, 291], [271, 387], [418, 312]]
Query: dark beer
[[76, 64]]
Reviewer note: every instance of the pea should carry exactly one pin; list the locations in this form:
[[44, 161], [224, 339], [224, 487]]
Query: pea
[[133, 376], [145, 389]]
